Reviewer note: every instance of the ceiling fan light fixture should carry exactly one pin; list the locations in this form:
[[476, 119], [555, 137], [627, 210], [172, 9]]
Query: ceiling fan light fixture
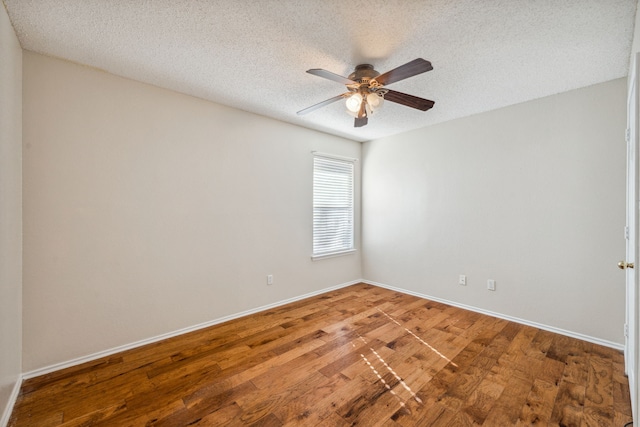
[[374, 102], [353, 103]]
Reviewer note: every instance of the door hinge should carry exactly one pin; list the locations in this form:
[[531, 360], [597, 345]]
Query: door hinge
[[626, 330], [626, 232]]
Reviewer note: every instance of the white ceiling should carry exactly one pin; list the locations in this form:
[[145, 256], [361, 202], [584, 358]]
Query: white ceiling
[[253, 54]]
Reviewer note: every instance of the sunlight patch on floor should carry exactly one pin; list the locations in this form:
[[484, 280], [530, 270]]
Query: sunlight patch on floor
[[417, 337]]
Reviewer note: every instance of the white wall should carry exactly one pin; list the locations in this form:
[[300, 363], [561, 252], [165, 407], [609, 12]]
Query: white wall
[[147, 211], [530, 195], [10, 210]]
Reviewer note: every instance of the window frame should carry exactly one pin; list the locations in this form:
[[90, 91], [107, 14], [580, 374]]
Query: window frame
[[344, 250]]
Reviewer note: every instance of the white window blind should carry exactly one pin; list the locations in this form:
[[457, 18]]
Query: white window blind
[[332, 206]]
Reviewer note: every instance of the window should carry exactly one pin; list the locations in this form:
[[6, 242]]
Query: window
[[332, 206]]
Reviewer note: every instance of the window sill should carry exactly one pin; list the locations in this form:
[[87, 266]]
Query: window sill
[[332, 254]]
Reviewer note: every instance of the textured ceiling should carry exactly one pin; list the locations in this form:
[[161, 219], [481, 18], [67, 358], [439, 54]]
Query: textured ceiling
[[253, 54]]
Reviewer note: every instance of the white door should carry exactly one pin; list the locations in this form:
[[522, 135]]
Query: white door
[[632, 327]]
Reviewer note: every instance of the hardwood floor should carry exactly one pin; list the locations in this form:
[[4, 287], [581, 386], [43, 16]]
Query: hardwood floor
[[361, 355]]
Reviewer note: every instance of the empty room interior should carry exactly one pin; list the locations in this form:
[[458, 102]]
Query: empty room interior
[[271, 213]]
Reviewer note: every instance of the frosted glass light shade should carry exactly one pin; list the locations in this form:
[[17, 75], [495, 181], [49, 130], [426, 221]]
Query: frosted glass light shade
[[353, 102], [374, 101]]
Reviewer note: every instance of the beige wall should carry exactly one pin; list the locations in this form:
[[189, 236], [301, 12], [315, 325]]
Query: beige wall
[[10, 210], [531, 195], [147, 211]]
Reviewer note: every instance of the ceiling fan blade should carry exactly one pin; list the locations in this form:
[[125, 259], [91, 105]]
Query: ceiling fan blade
[[410, 69], [359, 122], [319, 105], [408, 100], [331, 76]]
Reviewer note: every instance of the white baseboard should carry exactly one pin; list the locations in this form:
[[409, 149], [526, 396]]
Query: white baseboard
[[6, 414], [571, 334], [109, 352]]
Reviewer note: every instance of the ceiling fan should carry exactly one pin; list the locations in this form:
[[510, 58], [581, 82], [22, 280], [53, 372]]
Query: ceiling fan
[[367, 92]]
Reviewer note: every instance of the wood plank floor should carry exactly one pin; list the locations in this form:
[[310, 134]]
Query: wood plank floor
[[361, 355]]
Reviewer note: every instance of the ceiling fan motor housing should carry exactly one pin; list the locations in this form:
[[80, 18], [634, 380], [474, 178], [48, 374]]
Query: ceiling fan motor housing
[[363, 71]]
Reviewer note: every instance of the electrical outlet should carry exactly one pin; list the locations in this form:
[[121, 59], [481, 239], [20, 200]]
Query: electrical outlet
[[270, 279], [462, 280], [491, 285]]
